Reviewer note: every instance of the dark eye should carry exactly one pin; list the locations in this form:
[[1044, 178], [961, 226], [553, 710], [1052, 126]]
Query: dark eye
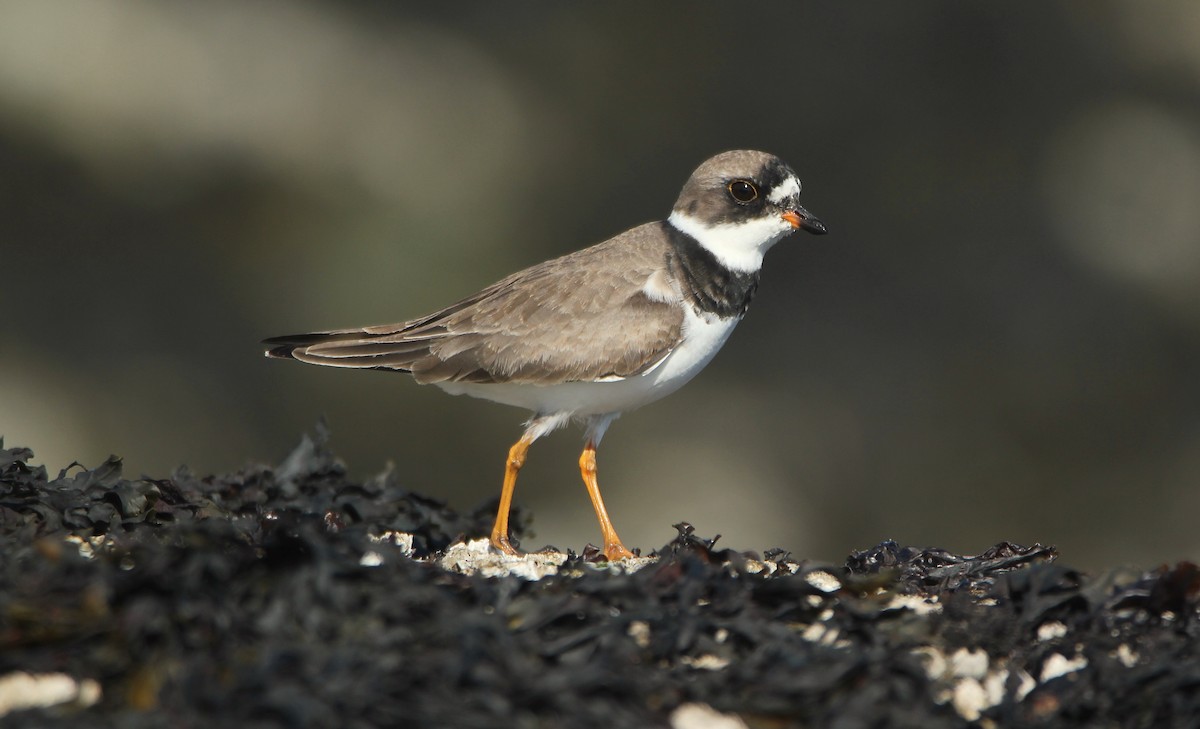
[[743, 191]]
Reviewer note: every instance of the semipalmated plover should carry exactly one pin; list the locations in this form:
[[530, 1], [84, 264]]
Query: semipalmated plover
[[598, 331]]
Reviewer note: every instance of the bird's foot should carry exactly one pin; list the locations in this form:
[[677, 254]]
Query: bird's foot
[[615, 551], [501, 544]]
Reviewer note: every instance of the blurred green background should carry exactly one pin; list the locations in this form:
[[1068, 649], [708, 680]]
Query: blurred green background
[[1000, 338]]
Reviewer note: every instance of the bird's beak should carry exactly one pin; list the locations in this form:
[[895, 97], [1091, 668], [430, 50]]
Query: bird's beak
[[801, 218]]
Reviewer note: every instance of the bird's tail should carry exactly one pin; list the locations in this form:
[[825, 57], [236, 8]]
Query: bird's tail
[[369, 348]]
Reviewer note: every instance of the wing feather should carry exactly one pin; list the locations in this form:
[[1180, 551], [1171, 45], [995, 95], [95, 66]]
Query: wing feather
[[585, 316]]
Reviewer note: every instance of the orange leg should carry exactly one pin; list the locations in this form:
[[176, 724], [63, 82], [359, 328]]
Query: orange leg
[[516, 459], [613, 549]]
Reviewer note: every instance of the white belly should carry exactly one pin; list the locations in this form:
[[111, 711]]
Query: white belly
[[702, 337]]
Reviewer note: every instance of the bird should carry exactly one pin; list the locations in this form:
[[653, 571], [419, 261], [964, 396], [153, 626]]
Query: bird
[[605, 329]]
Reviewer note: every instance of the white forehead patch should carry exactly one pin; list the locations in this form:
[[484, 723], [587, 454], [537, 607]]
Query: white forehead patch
[[788, 188]]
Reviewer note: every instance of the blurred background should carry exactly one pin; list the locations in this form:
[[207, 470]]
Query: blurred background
[[999, 339]]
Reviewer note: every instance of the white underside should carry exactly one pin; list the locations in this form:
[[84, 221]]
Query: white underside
[[702, 337]]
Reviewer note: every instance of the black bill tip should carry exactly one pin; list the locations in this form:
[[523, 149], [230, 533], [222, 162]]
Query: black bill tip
[[814, 226]]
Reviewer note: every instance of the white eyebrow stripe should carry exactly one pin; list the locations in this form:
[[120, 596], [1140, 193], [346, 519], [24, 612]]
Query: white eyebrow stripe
[[786, 189]]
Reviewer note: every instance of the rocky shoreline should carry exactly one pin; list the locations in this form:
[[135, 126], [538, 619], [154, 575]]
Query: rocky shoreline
[[294, 596]]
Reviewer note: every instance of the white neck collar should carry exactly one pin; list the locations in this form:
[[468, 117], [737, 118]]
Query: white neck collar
[[738, 246]]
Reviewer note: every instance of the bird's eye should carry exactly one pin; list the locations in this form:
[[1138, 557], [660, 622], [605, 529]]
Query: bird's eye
[[743, 191]]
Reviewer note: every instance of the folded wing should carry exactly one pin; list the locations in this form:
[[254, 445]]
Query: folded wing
[[575, 318]]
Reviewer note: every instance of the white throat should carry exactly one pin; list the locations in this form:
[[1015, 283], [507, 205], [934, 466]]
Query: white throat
[[738, 246]]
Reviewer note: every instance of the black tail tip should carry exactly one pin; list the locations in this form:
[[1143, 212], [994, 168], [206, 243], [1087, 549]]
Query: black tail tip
[[284, 352]]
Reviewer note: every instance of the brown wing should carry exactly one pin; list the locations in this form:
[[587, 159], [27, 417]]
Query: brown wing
[[580, 317]]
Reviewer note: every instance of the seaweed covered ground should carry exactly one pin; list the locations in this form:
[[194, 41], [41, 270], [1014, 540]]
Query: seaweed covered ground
[[292, 596]]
